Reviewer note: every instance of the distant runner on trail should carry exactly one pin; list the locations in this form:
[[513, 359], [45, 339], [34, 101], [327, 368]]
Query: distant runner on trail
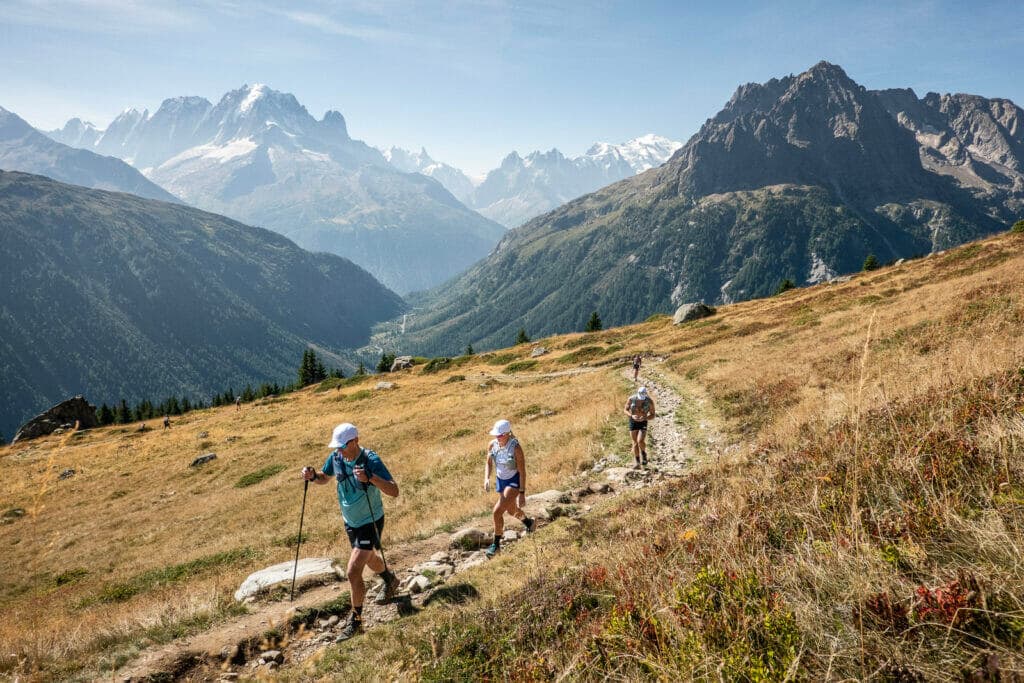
[[361, 477], [238, 402], [640, 409], [637, 360], [506, 456]]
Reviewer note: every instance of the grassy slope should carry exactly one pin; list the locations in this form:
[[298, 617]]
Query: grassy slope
[[869, 524]]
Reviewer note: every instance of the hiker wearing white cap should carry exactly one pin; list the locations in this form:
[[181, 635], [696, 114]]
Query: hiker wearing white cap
[[361, 477], [506, 456], [640, 409]]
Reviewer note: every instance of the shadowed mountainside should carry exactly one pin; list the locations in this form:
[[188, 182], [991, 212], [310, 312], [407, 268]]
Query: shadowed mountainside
[[115, 296]]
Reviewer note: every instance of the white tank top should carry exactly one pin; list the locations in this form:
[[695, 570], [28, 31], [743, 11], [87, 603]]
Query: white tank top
[[504, 458]]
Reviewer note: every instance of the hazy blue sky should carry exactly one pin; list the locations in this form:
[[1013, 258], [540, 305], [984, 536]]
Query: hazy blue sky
[[472, 80]]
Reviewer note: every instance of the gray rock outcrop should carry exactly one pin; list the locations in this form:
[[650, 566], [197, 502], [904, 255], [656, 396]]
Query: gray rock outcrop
[[401, 363], [309, 570], [688, 312], [73, 410]]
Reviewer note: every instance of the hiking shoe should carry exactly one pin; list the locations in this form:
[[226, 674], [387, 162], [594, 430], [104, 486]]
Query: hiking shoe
[[636, 464], [351, 628], [492, 550], [644, 460], [388, 590], [528, 523]]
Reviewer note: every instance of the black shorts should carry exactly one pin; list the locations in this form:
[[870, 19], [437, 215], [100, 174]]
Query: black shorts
[[366, 537], [635, 426]]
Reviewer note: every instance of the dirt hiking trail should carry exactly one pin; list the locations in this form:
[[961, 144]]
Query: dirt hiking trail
[[681, 434]]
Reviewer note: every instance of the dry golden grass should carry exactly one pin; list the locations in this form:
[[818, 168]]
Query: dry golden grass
[[871, 526], [872, 464], [135, 506]]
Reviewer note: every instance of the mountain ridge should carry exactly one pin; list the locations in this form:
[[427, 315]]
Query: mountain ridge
[[123, 297], [799, 178], [258, 156]]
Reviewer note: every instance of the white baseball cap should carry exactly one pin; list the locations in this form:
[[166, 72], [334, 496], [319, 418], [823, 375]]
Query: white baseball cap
[[343, 433], [641, 392], [501, 427]]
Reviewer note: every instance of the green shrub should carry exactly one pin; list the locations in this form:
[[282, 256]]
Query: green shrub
[[259, 475], [70, 576], [455, 378], [520, 366], [785, 286], [120, 592], [1018, 227], [871, 263], [358, 395]]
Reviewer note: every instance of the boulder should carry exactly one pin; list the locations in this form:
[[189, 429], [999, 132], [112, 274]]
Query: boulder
[[510, 535], [539, 351], [418, 584], [74, 410], [67, 474], [385, 385], [624, 474], [401, 363], [310, 570], [438, 568], [203, 459], [552, 496], [441, 556], [473, 560], [469, 539], [688, 312], [272, 656]]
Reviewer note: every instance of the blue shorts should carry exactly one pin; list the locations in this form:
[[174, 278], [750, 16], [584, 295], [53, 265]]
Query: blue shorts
[[502, 484]]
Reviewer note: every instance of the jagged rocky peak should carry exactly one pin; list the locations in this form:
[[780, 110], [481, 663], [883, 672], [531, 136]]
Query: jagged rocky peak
[[334, 122]]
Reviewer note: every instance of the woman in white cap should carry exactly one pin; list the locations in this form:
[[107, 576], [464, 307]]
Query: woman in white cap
[[640, 409], [506, 456]]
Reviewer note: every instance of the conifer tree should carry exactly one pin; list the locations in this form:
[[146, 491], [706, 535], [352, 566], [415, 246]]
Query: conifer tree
[[521, 337], [386, 361], [469, 350], [247, 394], [785, 286], [105, 416], [123, 416], [870, 263], [594, 324], [361, 370]]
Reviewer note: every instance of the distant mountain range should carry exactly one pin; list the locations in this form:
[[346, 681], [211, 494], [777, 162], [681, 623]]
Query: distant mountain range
[[116, 296], [259, 156], [801, 177], [23, 148], [522, 188]]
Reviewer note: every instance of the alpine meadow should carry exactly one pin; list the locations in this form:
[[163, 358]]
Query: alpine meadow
[[851, 505], [692, 350]]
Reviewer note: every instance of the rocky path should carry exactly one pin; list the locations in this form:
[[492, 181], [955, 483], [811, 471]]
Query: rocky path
[[675, 442]]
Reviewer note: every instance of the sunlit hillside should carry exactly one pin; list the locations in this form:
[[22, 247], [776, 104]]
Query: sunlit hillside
[[861, 518]]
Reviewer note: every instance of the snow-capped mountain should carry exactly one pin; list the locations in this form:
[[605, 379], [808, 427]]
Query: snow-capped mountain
[[522, 188], [260, 157], [76, 133], [642, 153], [454, 180]]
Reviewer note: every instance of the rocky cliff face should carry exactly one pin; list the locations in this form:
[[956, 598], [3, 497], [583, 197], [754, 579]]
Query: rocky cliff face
[[801, 177]]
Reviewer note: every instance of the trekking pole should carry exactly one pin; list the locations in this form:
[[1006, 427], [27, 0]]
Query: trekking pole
[[298, 540]]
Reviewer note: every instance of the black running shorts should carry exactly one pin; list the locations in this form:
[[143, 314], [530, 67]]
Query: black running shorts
[[635, 426], [365, 537]]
